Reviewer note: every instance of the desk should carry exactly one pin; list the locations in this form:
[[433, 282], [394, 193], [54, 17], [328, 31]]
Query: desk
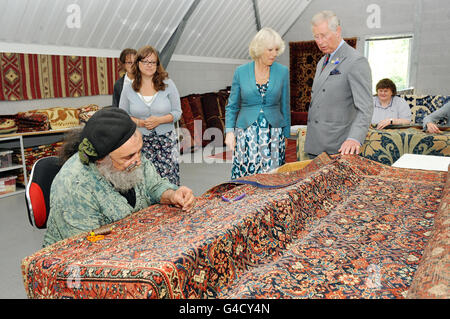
[[426, 162]]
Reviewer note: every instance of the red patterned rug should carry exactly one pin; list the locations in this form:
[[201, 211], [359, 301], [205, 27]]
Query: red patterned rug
[[291, 153], [351, 228], [39, 76]]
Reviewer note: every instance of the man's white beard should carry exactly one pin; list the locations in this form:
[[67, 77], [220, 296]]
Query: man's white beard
[[121, 180]]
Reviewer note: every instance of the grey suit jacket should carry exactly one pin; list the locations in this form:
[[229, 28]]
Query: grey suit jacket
[[341, 102]]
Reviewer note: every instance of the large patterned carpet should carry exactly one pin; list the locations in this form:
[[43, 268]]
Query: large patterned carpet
[[343, 227]]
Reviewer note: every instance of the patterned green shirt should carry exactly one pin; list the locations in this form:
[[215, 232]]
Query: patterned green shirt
[[81, 199]]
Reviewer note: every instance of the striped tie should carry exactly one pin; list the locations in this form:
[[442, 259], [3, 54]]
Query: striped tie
[[325, 62]]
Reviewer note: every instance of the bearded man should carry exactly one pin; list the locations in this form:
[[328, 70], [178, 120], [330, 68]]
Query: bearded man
[[107, 179]]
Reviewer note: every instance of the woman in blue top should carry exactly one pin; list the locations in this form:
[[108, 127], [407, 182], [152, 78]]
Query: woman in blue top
[[153, 102], [258, 116]]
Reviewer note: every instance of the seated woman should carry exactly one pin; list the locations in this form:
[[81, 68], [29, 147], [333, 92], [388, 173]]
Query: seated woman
[[429, 120], [388, 108]]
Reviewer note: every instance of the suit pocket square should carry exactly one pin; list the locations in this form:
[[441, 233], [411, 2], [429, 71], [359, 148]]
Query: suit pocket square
[[334, 72]]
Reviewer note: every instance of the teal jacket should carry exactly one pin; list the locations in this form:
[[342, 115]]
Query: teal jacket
[[245, 102]]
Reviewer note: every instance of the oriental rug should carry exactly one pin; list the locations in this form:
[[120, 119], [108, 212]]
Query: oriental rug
[[303, 58], [369, 246], [348, 228]]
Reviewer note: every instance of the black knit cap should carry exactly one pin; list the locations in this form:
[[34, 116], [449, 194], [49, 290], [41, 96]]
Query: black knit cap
[[107, 130]]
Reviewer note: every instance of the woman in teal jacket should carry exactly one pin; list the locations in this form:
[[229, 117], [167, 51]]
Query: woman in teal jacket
[[258, 116]]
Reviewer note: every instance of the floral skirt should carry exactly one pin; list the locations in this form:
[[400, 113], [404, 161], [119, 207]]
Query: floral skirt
[[162, 151], [259, 149]]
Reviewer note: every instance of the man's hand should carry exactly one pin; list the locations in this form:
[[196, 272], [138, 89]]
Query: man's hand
[[182, 197], [432, 128], [349, 147]]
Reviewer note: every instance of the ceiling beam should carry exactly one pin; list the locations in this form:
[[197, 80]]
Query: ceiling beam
[[257, 16], [169, 48]]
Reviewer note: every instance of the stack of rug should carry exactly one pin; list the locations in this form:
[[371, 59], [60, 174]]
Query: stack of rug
[[7, 126], [32, 122], [32, 154]]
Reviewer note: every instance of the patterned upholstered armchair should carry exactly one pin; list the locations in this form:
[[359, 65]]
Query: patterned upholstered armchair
[[422, 105], [388, 145]]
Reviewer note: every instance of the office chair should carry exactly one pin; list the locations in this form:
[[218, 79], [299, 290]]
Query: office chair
[[37, 193]]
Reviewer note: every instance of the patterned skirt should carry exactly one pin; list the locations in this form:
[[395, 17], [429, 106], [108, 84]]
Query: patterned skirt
[[162, 151], [259, 149]]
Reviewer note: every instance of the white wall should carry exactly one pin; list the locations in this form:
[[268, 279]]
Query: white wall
[[427, 20], [195, 77]]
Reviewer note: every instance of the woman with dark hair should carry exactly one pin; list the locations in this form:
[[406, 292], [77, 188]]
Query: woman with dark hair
[[153, 102], [126, 60], [389, 109]]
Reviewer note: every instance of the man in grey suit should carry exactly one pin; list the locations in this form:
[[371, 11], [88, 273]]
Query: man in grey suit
[[341, 99]]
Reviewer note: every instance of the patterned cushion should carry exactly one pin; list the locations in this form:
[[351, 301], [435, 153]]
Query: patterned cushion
[[301, 137], [85, 112], [214, 112], [422, 105], [61, 117], [7, 125], [299, 118], [387, 146], [191, 117]]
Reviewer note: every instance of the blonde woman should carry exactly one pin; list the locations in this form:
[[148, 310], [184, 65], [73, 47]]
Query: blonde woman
[[257, 116]]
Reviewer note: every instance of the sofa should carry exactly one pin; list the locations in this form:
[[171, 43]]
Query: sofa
[[388, 145]]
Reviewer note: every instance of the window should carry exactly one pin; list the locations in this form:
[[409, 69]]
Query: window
[[389, 57]]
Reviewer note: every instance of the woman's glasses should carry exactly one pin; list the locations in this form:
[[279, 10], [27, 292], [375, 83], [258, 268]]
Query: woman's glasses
[[152, 63]]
